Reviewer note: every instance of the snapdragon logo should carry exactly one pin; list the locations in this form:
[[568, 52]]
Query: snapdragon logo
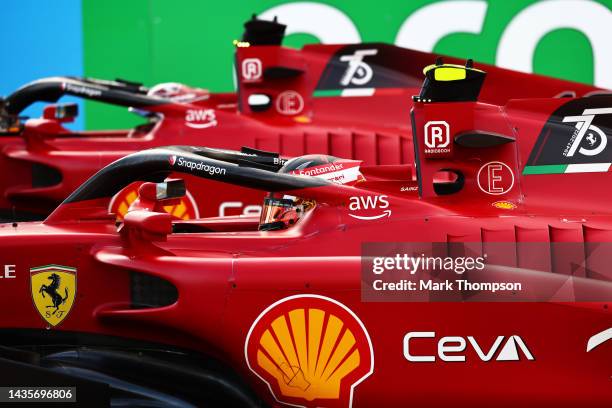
[[83, 90], [199, 166]]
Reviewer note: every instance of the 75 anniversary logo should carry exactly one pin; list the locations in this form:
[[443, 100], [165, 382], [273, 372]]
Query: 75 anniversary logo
[[574, 139]]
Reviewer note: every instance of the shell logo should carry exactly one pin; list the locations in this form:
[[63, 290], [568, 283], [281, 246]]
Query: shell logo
[[504, 205], [311, 351], [186, 209]]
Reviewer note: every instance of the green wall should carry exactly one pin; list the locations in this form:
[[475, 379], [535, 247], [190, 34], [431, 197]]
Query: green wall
[[190, 41]]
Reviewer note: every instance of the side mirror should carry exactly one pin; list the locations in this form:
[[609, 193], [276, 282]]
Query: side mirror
[[154, 196], [147, 225], [167, 190], [9, 124], [63, 113]]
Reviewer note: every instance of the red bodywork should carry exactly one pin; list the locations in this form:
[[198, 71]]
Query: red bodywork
[[235, 283], [312, 108]]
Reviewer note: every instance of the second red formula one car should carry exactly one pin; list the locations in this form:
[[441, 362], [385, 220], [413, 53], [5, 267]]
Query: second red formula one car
[[481, 280], [349, 101]]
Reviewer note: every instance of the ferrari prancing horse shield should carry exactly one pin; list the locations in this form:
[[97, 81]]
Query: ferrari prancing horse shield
[[53, 291]]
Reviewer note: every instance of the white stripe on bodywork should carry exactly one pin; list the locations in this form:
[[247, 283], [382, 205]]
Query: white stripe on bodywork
[[599, 338], [358, 92], [342, 176], [53, 268], [588, 168], [597, 111]]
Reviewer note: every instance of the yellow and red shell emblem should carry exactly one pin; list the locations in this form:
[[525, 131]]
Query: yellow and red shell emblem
[[310, 350], [186, 209], [504, 205]]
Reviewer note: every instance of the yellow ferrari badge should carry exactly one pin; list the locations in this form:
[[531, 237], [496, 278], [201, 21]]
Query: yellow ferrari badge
[[53, 291]]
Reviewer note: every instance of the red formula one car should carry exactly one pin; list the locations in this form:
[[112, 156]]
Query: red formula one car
[[349, 101], [481, 280]]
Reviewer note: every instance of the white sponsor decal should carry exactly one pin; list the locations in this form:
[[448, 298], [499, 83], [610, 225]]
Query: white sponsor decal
[[83, 90], [437, 137], [598, 339], [289, 103], [193, 165], [452, 348], [319, 170], [437, 134], [9, 272], [595, 137], [251, 69], [200, 118], [495, 178], [358, 72], [249, 210], [360, 203], [340, 172], [177, 92]]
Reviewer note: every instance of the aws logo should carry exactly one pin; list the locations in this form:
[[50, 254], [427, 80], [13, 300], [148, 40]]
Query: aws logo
[[200, 118], [310, 350], [368, 204]]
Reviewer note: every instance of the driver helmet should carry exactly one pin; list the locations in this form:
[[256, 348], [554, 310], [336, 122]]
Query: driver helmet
[[178, 92], [280, 213]]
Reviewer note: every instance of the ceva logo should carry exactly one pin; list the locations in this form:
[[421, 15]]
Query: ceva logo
[[367, 203], [310, 350], [452, 348]]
